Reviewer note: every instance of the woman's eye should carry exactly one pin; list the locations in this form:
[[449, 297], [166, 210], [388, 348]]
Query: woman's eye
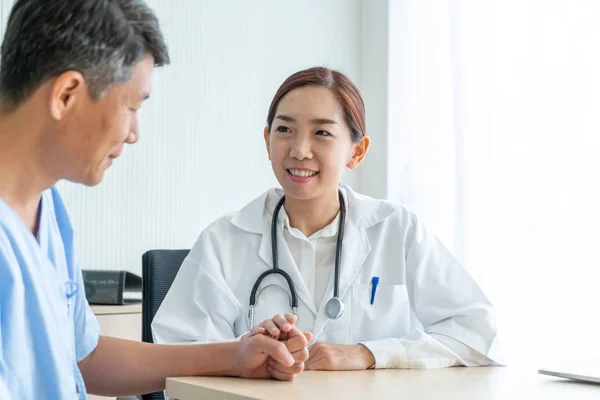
[[322, 133], [283, 129]]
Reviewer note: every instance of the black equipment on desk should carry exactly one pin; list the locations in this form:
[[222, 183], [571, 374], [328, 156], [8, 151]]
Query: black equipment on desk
[[112, 287]]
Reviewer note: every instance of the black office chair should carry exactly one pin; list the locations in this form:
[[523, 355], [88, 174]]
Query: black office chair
[[159, 269]]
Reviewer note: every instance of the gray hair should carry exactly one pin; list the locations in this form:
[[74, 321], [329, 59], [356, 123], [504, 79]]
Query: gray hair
[[102, 39]]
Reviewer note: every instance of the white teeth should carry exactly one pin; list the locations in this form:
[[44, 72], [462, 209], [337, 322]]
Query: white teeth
[[302, 173]]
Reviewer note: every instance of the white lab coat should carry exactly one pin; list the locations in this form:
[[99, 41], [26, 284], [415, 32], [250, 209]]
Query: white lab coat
[[428, 312]]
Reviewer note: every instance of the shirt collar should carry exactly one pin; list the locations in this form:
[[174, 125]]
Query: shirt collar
[[362, 210], [328, 231]]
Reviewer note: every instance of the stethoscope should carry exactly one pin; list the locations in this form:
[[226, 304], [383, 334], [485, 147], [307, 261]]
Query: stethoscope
[[335, 306]]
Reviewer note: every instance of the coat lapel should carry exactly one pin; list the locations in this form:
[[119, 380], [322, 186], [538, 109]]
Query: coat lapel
[[356, 249], [363, 212]]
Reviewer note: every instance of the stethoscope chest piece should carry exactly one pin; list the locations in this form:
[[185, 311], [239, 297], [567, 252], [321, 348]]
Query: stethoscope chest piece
[[334, 308]]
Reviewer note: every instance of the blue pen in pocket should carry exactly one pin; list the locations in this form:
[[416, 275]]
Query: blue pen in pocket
[[374, 283]]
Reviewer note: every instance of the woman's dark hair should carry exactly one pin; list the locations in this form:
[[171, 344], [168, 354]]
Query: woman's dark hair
[[345, 91]]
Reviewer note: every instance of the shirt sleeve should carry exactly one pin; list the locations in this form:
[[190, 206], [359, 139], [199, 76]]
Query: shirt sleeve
[[85, 324], [199, 307], [87, 329], [459, 325], [4, 393]]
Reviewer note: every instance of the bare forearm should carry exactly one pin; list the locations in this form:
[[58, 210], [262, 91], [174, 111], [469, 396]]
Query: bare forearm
[[122, 367]]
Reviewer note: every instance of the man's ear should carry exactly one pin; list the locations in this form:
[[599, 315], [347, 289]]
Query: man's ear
[[67, 88], [359, 151], [267, 136]]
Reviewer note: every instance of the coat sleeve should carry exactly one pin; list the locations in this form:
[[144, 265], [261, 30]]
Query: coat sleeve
[[199, 307], [458, 321]]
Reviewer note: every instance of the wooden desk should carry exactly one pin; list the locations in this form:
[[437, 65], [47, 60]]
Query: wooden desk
[[123, 322], [488, 383], [112, 310]]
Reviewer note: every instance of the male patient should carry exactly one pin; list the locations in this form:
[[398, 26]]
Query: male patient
[[73, 74]]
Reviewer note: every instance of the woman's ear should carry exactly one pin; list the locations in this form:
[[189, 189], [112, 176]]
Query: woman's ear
[[267, 136], [359, 151]]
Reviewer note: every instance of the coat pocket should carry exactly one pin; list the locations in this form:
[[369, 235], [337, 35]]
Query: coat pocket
[[387, 317]]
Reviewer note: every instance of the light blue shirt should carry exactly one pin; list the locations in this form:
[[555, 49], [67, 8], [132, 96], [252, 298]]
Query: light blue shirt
[[46, 325]]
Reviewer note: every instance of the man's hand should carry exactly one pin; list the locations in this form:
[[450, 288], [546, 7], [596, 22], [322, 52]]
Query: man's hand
[[275, 348], [339, 357]]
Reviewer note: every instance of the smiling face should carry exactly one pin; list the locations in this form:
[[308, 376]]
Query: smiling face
[[310, 143], [91, 133]]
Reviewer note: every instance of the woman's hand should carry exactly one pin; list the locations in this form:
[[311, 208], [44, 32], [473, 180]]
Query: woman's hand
[[277, 327], [339, 357]]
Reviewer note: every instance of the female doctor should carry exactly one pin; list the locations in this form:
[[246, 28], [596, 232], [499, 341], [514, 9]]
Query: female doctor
[[375, 288]]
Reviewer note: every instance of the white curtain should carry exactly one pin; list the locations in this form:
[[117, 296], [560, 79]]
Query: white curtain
[[494, 140]]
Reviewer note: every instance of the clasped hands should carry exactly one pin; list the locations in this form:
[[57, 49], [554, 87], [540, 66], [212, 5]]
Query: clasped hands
[[292, 356]]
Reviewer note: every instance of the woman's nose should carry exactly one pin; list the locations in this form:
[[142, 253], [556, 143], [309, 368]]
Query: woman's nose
[[301, 149]]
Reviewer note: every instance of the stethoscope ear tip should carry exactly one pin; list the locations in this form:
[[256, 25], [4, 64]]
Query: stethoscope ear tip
[[334, 308]]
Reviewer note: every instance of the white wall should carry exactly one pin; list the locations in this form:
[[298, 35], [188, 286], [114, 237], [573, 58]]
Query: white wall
[[373, 172], [507, 179], [201, 152]]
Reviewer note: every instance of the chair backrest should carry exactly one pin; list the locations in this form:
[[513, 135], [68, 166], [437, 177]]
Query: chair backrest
[[159, 269]]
